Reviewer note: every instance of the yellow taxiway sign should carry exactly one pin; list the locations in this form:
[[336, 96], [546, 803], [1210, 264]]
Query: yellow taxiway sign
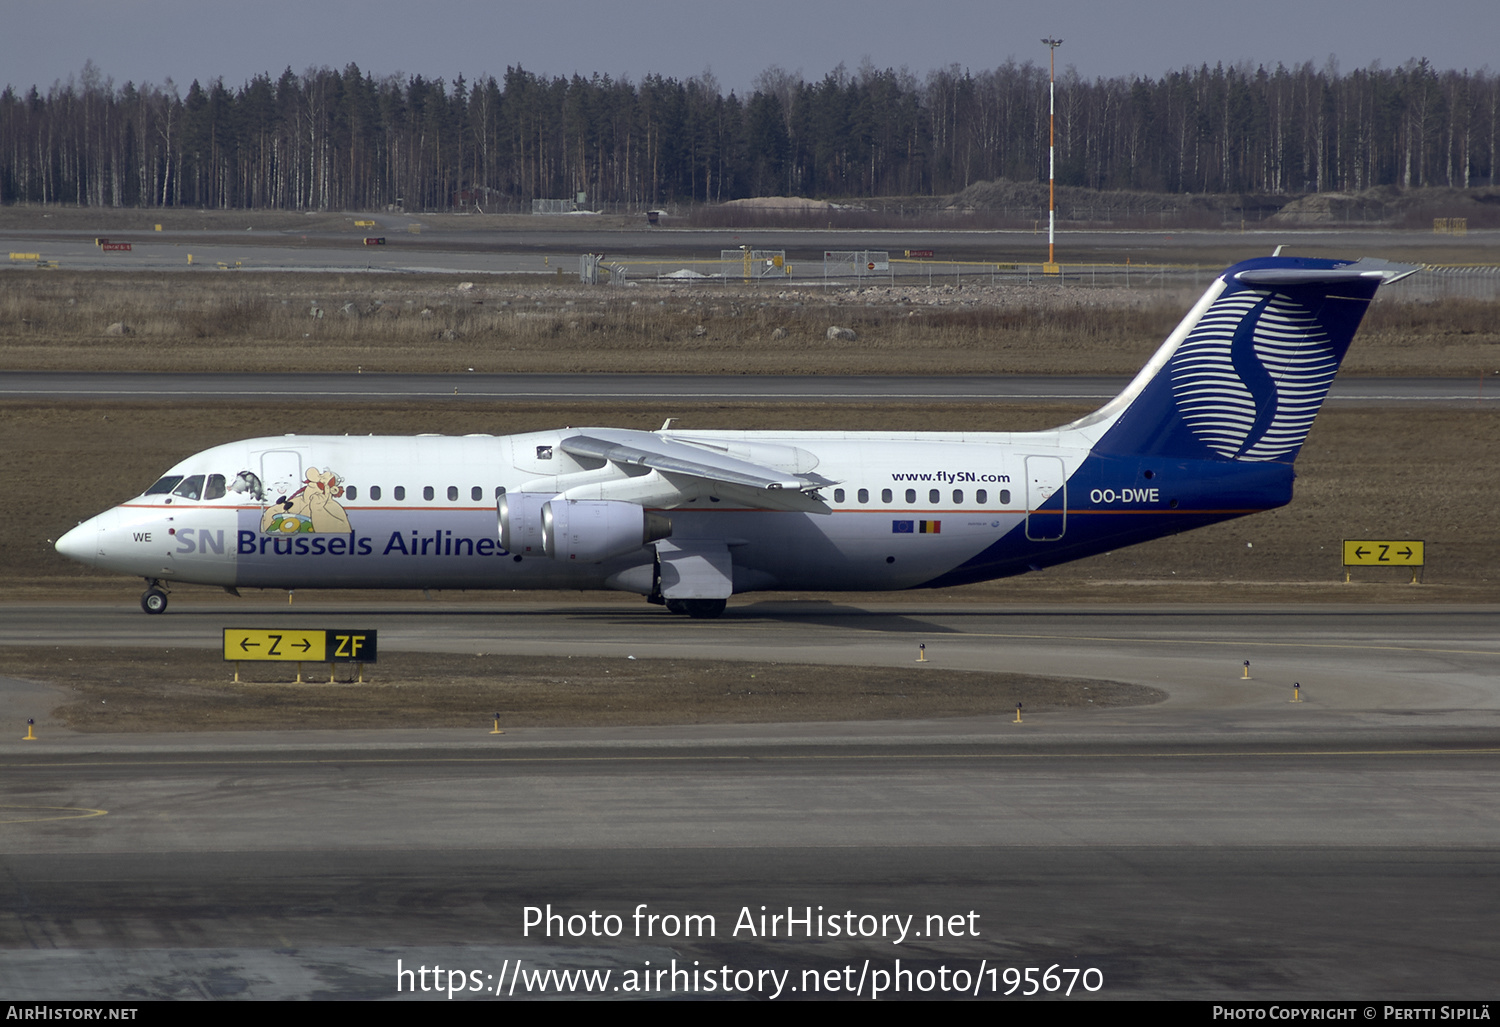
[[300, 645], [1383, 553]]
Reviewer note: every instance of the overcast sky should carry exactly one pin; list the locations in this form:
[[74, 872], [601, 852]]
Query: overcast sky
[[44, 41]]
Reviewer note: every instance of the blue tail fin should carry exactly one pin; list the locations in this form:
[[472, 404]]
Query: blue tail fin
[[1245, 373]]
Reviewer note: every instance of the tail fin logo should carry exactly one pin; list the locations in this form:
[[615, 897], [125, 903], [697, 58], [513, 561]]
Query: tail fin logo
[[1252, 374]]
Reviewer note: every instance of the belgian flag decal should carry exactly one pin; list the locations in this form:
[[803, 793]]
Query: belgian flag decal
[[920, 527]]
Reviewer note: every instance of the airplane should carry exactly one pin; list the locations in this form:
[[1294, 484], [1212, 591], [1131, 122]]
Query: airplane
[[1207, 431]]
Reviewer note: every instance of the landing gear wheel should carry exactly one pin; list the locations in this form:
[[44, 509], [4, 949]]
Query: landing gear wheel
[[676, 605], [704, 609], [154, 600]]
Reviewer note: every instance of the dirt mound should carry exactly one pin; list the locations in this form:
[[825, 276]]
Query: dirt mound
[[1078, 204], [780, 203], [1373, 205], [1387, 204]]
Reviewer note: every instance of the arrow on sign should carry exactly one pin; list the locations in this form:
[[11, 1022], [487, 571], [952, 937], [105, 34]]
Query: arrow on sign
[[306, 645], [245, 644]]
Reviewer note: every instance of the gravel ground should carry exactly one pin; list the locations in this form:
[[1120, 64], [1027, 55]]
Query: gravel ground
[[131, 690]]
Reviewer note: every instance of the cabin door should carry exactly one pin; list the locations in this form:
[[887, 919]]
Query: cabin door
[[1046, 498]]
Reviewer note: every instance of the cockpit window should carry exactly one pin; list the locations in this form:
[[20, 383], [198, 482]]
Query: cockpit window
[[164, 486], [249, 483], [191, 488], [215, 487]]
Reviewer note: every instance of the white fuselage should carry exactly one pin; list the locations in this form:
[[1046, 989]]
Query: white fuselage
[[906, 508]]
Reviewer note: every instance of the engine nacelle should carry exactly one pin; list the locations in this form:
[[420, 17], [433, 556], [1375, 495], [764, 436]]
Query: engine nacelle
[[521, 522], [592, 531]]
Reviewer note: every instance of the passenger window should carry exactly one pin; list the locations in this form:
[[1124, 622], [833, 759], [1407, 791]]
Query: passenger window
[[885, 495], [191, 488], [911, 496], [163, 486], [375, 492], [351, 492], [400, 492], [427, 492], [452, 493], [476, 493], [499, 491], [838, 495], [1005, 495], [864, 495], [215, 487], [934, 497], [958, 496], [981, 496]]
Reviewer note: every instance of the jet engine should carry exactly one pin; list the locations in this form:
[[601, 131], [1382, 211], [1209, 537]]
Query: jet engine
[[521, 521], [583, 531], [591, 531]]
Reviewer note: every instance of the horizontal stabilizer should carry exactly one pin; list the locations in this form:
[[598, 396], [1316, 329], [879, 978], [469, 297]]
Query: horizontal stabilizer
[[1367, 269]]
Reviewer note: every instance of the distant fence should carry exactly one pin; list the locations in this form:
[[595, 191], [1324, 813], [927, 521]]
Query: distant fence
[[857, 264], [732, 266], [1473, 282], [854, 268], [929, 271], [755, 263]]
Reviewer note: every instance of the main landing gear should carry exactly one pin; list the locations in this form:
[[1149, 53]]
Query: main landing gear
[[698, 609], [154, 599]]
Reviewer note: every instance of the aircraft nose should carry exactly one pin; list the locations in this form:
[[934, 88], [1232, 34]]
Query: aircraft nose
[[81, 543]]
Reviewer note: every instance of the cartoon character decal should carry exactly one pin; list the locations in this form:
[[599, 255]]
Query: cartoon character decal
[[312, 508], [248, 483]]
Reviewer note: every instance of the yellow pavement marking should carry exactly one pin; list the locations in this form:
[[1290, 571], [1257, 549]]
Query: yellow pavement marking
[[58, 813]]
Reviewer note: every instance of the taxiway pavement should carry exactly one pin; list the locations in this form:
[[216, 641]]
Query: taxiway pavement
[[546, 248], [1227, 843], [72, 386]]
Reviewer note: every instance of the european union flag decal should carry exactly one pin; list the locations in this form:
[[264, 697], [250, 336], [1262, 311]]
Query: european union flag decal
[[902, 527]]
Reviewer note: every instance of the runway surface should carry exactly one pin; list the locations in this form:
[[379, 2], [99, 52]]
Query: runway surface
[[619, 388], [1227, 843]]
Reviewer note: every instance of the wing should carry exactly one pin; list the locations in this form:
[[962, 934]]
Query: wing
[[776, 478]]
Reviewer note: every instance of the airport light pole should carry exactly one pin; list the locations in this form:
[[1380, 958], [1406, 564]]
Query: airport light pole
[[1051, 268]]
